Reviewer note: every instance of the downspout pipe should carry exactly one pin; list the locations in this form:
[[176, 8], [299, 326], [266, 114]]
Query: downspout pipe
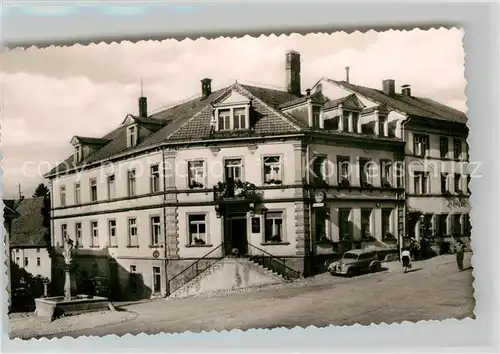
[[308, 179], [165, 254]]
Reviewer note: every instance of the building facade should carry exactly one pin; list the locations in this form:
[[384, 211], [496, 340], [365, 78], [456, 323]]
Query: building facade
[[28, 241], [242, 171], [436, 152]]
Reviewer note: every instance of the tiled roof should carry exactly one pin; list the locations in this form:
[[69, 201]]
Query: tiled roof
[[27, 228], [190, 121], [265, 119], [416, 106]]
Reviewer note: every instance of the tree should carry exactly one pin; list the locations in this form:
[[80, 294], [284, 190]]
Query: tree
[[46, 223], [41, 191]]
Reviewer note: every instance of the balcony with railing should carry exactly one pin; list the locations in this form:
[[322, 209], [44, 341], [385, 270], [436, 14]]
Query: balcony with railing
[[235, 190]]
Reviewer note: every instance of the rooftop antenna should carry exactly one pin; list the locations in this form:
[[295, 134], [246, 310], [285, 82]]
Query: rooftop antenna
[[347, 74]]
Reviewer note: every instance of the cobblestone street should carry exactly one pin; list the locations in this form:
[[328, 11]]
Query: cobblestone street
[[434, 289]]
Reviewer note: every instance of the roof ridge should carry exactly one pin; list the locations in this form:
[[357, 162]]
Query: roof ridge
[[436, 113]]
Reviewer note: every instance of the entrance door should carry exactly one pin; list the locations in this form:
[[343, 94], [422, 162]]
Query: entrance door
[[236, 234], [156, 280]]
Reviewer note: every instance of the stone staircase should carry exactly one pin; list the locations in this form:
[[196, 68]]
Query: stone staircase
[[227, 275]]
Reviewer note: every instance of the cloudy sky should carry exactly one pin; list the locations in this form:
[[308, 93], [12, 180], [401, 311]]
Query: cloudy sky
[[49, 95]]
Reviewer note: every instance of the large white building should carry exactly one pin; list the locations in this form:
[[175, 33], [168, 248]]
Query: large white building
[[436, 153], [244, 169]]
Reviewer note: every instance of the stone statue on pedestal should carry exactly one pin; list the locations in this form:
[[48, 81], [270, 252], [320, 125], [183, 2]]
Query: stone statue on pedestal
[[69, 283]]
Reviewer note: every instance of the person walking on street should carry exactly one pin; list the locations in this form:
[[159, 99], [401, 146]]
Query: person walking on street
[[460, 255], [406, 259]]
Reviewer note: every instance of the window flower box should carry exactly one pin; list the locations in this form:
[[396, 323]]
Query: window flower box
[[344, 182], [195, 184], [386, 184]]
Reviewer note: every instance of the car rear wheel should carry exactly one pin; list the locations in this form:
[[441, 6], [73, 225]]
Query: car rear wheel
[[375, 267], [350, 272]]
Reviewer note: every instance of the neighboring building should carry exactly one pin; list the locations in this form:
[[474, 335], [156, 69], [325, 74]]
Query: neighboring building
[[29, 246], [258, 170], [9, 214], [436, 154]]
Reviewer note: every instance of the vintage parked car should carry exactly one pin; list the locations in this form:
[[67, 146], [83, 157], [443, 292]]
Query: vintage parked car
[[101, 287], [354, 262]]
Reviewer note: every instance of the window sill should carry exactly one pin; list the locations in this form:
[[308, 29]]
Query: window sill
[[275, 243], [155, 246], [94, 246], [130, 246], [113, 246], [194, 246]]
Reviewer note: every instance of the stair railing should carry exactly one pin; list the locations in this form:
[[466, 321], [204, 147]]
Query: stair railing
[[274, 263], [193, 270]]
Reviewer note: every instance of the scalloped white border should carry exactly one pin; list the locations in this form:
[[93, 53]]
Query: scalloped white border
[[373, 334]]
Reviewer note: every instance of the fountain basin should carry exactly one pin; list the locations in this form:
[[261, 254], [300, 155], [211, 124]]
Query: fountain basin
[[56, 306]]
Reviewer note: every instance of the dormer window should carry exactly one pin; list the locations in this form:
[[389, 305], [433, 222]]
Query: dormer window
[[355, 122], [316, 114], [345, 121], [78, 153], [381, 125], [232, 118], [224, 119], [239, 118], [84, 146], [132, 136]]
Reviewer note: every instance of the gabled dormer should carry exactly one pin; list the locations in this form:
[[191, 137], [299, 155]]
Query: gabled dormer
[[132, 128], [141, 126], [343, 114], [84, 146], [375, 120], [231, 112], [308, 108]]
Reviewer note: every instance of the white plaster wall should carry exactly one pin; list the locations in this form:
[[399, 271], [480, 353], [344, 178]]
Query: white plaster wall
[[252, 163], [214, 232], [354, 153], [18, 255], [122, 231], [141, 164], [332, 227]]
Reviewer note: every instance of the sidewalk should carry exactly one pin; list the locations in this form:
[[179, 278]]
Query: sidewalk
[[28, 326], [431, 263]]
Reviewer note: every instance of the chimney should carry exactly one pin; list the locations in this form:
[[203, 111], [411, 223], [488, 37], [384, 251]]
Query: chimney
[[347, 74], [293, 72], [308, 92], [406, 90], [388, 87], [206, 87], [143, 107]]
